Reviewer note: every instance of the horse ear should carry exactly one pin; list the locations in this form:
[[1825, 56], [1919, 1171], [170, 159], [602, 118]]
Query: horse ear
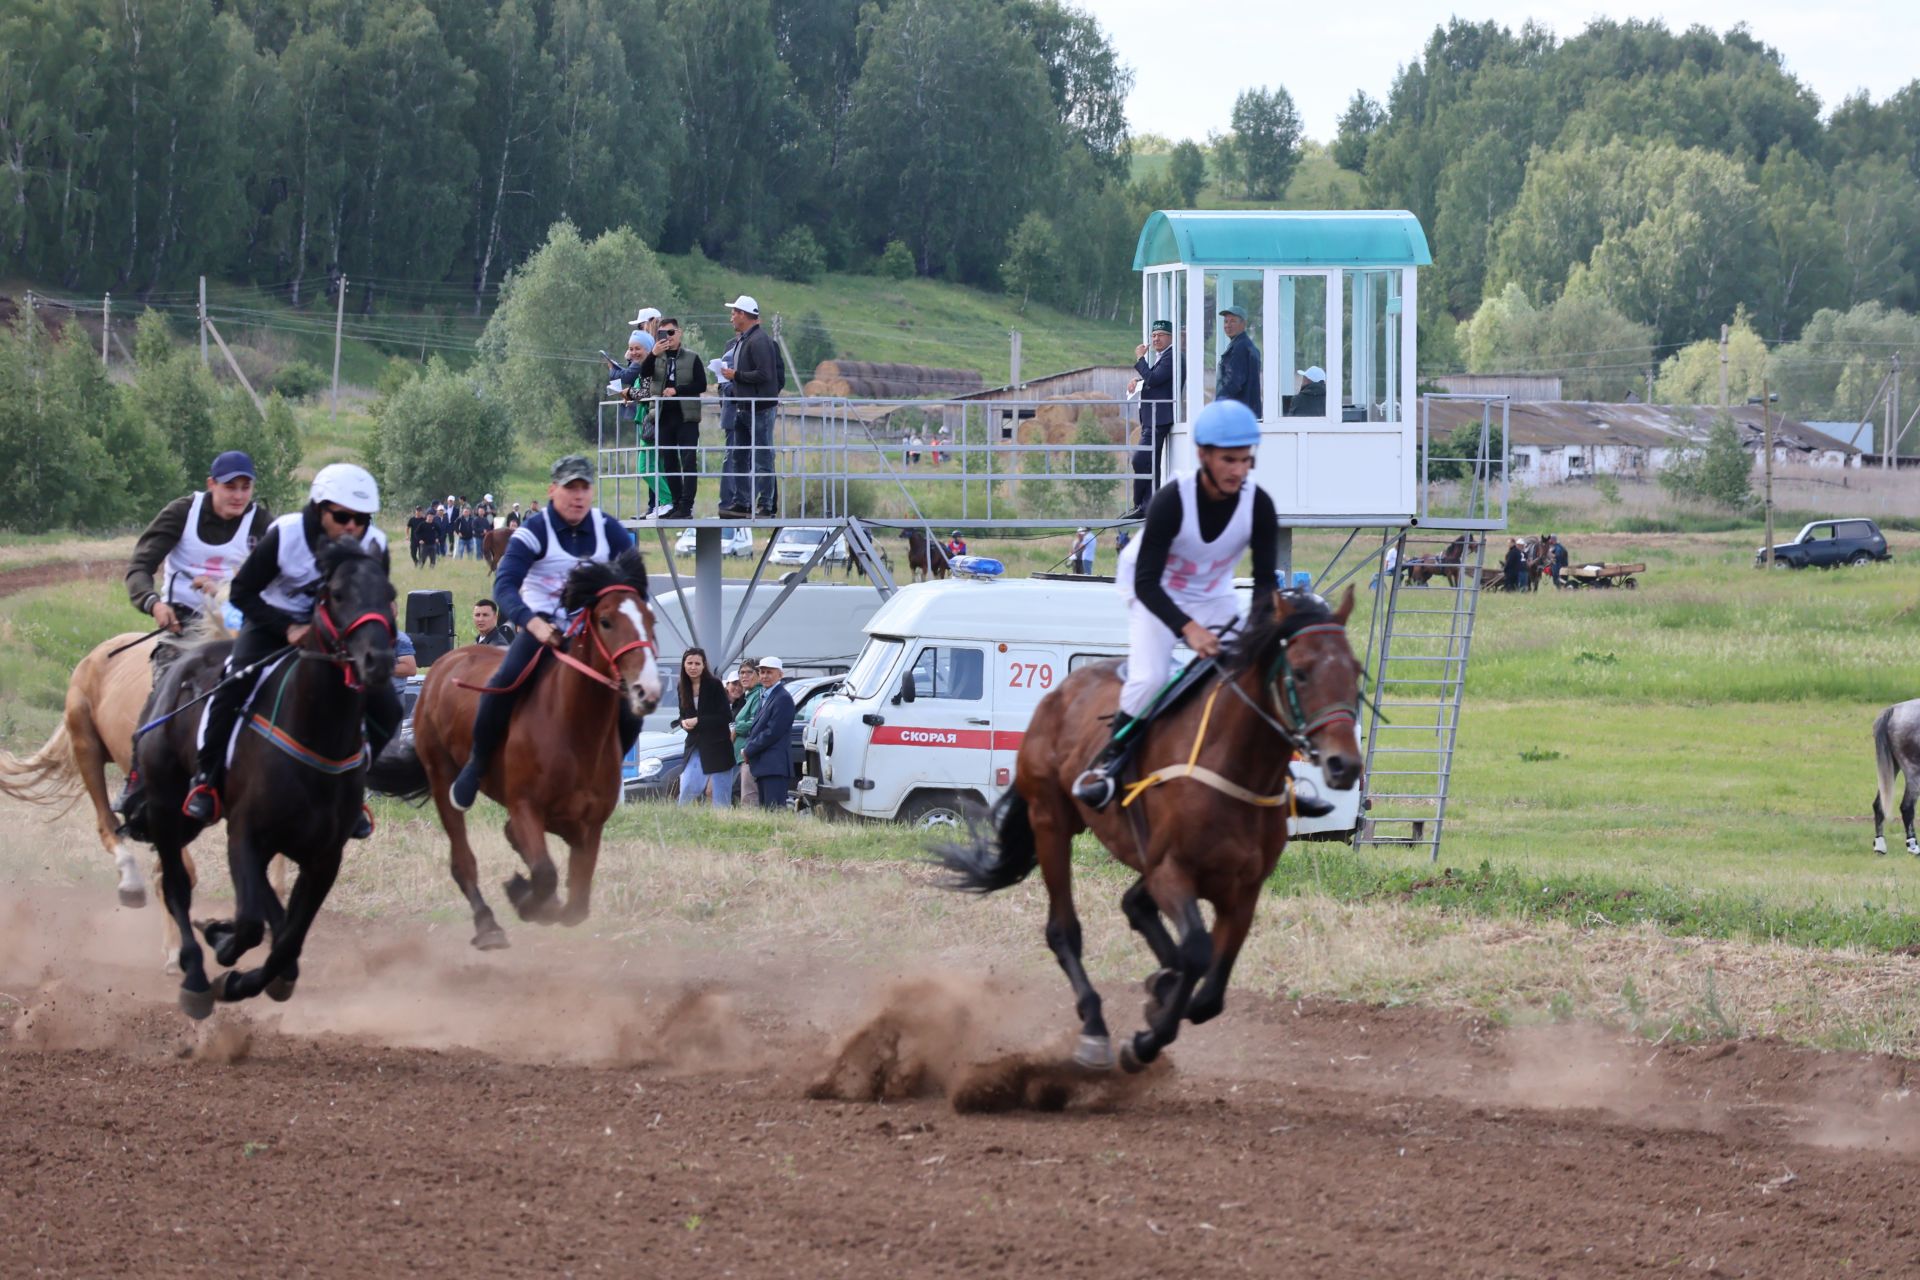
[[1281, 606], [1345, 609]]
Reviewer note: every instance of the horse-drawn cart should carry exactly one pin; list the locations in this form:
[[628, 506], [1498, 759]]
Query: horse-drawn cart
[[1604, 575]]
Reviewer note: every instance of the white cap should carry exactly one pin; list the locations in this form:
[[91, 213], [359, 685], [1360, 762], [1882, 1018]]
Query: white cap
[[646, 314], [733, 677], [775, 663], [487, 498], [345, 485], [1314, 373], [744, 303]]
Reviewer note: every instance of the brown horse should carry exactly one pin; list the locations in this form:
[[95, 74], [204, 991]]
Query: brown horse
[[1205, 819], [924, 557], [493, 545], [559, 769]]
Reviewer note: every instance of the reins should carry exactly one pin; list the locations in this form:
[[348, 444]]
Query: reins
[[578, 626]]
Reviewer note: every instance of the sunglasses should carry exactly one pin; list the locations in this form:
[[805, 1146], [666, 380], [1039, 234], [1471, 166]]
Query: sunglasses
[[340, 515]]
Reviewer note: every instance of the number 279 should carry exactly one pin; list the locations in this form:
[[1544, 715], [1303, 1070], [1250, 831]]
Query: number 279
[[1030, 675]]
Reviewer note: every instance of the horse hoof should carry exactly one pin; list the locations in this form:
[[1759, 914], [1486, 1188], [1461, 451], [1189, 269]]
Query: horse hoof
[[1095, 1053], [518, 889], [280, 990], [1129, 1063], [491, 938], [197, 1005], [1160, 986], [135, 897], [1879, 846]]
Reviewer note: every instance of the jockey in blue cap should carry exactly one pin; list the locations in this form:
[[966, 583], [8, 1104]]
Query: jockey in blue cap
[[1177, 579]]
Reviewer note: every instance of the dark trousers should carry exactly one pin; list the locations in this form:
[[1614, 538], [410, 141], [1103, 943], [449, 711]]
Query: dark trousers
[[383, 711], [495, 712], [1149, 462], [773, 790], [680, 460], [736, 469], [749, 457]]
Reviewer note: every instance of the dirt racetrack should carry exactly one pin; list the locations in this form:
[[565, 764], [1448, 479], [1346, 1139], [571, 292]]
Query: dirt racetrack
[[569, 1107]]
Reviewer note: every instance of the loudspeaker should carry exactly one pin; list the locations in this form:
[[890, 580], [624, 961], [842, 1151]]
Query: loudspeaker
[[430, 623]]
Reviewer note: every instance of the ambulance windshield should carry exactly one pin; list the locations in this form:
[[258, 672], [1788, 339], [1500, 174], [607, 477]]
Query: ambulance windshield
[[871, 668]]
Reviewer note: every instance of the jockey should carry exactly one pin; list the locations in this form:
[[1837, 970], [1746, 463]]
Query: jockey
[[195, 544], [1177, 579], [528, 584], [275, 592]]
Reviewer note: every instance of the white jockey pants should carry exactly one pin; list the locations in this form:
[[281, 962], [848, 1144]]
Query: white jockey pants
[[1150, 646]]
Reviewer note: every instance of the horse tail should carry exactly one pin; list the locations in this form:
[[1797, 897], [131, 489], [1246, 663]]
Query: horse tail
[[43, 777], [397, 772], [1883, 758], [990, 861]]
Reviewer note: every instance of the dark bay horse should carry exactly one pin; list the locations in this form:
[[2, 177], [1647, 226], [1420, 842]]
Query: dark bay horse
[[1205, 817], [559, 769], [294, 788], [925, 557]]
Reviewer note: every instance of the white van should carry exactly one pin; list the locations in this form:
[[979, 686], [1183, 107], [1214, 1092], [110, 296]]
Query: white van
[[981, 655], [795, 546]]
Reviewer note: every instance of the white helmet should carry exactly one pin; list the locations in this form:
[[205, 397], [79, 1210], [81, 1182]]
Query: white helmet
[[346, 485]]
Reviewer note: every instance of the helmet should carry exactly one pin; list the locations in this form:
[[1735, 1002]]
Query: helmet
[[1226, 424], [346, 485]]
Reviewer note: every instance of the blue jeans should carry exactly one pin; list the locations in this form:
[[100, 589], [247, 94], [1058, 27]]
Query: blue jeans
[[736, 469], [694, 779], [748, 483]]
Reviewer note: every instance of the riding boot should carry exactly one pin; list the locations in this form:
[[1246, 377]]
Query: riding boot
[[1309, 803], [363, 825], [1095, 787], [489, 727]]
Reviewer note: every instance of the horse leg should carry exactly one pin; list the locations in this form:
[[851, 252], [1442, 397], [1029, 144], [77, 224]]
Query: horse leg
[[1054, 851], [90, 762], [282, 967], [1879, 825], [231, 939], [487, 933], [1230, 928], [532, 894], [1906, 814], [1193, 955], [583, 855], [176, 891], [169, 928], [1144, 916]]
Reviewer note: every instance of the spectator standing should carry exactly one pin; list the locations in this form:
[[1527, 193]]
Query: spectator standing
[[680, 378], [769, 749], [634, 388], [703, 711], [735, 696], [1153, 367], [487, 627], [758, 377], [736, 489], [1557, 561], [1513, 566], [416, 523], [1238, 377], [743, 715], [1389, 565], [1083, 551]]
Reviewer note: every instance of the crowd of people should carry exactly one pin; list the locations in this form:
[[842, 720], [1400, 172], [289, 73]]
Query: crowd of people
[[738, 732]]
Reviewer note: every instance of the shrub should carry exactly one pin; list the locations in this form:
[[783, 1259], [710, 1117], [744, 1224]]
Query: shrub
[[797, 256], [896, 263], [441, 433], [1720, 473], [273, 443], [300, 379]]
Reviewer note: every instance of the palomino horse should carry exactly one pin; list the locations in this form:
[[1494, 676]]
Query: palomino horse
[[295, 784], [1206, 819], [559, 769], [493, 545]]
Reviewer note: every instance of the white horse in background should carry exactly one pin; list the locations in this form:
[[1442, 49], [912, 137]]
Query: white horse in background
[[1896, 745]]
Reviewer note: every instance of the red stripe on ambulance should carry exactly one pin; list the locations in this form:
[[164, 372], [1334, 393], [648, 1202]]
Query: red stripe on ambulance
[[901, 735]]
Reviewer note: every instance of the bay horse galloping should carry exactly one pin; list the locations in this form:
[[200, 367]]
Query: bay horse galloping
[[295, 784], [1206, 818], [559, 768]]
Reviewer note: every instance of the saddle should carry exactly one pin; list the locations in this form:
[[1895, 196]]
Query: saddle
[[1175, 692]]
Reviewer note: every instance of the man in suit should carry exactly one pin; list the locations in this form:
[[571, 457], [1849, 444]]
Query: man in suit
[[768, 749], [1153, 362]]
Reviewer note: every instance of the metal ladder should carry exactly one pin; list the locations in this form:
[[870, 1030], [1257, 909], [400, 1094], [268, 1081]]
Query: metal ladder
[[1417, 647]]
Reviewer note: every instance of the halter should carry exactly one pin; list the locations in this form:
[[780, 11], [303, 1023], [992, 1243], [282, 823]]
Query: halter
[[334, 637]]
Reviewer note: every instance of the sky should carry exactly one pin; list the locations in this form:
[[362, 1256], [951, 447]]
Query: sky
[[1191, 59]]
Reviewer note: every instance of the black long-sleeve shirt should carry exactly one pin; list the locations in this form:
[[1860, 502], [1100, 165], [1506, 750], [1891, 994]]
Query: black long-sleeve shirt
[[1164, 515]]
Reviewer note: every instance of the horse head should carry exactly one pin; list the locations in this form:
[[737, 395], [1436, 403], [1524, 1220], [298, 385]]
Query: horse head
[[353, 616], [1303, 659], [611, 600]]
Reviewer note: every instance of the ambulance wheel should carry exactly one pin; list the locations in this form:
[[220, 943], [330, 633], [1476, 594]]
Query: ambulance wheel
[[933, 810]]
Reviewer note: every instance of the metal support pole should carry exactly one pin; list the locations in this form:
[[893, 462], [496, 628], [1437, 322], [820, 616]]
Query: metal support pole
[[106, 325], [1766, 442], [708, 585], [339, 319], [1893, 415], [1013, 379], [1285, 560], [1724, 402], [203, 324]]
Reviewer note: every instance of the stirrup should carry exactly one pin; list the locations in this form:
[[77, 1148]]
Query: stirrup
[[1309, 803], [467, 781], [215, 808], [1095, 788]]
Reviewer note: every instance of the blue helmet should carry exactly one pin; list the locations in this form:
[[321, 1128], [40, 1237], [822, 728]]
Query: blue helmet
[[1226, 424]]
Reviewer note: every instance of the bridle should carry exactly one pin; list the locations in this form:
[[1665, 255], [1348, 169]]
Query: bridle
[[333, 636], [1283, 684], [612, 657]]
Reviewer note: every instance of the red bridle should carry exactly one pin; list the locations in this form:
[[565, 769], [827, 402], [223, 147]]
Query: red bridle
[[334, 637], [612, 657]]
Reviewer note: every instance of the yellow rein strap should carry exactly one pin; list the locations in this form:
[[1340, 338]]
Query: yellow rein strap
[[1203, 775]]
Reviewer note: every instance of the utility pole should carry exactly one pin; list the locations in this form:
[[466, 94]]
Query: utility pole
[[339, 316], [1724, 402], [1013, 378], [1649, 384], [1766, 442], [203, 323], [106, 326], [1893, 415]]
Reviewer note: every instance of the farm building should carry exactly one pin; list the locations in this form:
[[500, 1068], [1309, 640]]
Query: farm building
[[1560, 441]]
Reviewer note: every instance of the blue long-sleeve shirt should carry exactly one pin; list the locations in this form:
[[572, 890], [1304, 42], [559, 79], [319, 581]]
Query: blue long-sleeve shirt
[[530, 542]]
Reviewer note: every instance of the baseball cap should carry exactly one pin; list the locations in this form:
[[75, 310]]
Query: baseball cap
[[1314, 373], [1234, 310], [771, 663], [231, 465], [744, 303], [572, 467], [646, 314]]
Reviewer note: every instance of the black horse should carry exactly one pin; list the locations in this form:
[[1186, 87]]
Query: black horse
[[295, 785]]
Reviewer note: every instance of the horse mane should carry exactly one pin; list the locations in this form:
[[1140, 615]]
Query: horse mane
[[589, 578], [1265, 629], [334, 552]]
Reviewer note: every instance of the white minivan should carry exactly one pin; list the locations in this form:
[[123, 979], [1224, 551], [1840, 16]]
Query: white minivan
[[930, 718]]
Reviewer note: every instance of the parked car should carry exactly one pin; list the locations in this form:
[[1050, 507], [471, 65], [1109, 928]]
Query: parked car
[[733, 542], [651, 770], [1826, 543], [794, 547]]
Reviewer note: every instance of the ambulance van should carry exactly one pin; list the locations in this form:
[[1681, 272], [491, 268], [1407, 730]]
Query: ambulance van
[[927, 723]]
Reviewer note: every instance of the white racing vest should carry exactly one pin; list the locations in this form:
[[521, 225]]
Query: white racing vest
[[1199, 573], [295, 588], [547, 576], [191, 558]]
